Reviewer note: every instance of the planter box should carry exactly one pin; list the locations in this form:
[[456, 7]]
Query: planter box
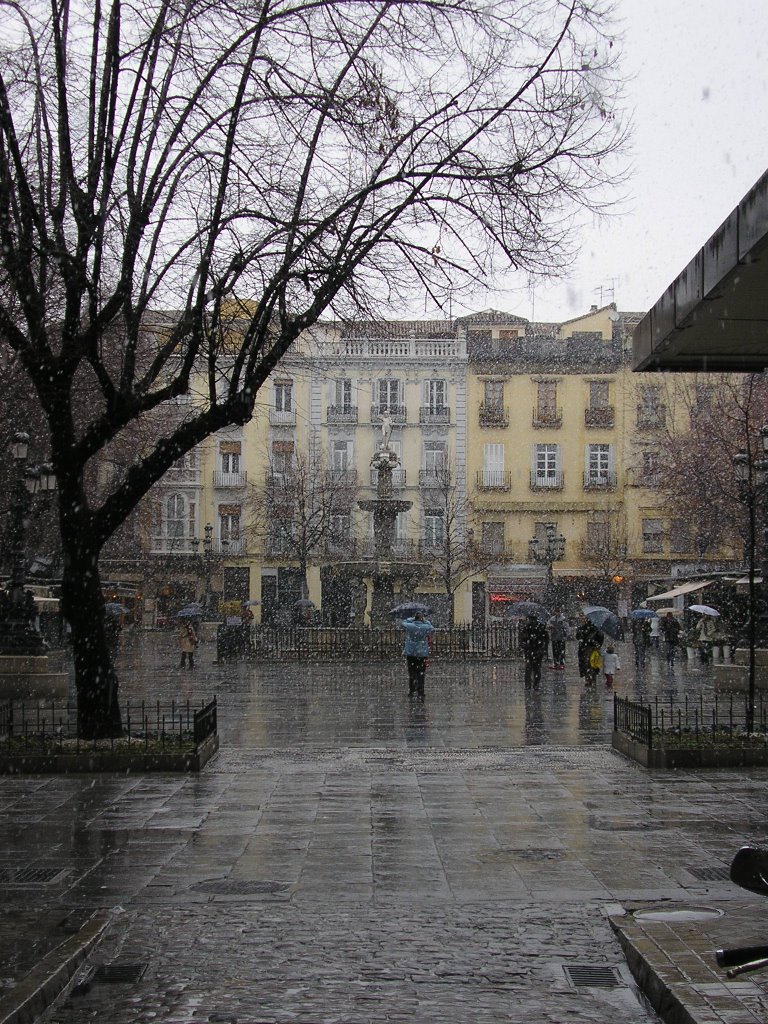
[[704, 756], [192, 760]]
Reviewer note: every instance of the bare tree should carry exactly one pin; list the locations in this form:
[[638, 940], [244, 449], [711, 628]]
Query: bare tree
[[248, 167], [301, 509]]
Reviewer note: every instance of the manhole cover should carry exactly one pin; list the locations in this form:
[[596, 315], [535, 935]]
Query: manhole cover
[[711, 874], [678, 914], [117, 973], [236, 887], [590, 976]]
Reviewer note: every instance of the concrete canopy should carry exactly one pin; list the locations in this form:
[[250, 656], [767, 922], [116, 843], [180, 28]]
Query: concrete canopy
[[714, 315]]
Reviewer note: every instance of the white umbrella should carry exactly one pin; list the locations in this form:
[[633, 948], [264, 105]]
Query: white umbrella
[[703, 609]]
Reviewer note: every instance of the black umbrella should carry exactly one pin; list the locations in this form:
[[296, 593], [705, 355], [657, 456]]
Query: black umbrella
[[605, 620], [407, 609], [303, 602], [522, 609]]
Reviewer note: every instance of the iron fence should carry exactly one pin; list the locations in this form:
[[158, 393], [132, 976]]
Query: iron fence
[[665, 720], [27, 724], [363, 643]]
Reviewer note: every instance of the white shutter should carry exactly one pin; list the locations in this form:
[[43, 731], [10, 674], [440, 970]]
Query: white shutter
[[493, 465]]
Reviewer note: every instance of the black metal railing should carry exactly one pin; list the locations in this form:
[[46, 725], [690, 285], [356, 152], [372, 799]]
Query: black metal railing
[[364, 643], [28, 725], [666, 721]]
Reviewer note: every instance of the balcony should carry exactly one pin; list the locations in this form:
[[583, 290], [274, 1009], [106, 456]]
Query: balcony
[[600, 481], [278, 480], [599, 416], [397, 413], [493, 415], [434, 414], [494, 480], [341, 413], [228, 481], [639, 478], [651, 417], [278, 546], [437, 476], [501, 553], [547, 418], [172, 546], [227, 548], [398, 478], [554, 480], [181, 475], [341, 478], [282, 417]]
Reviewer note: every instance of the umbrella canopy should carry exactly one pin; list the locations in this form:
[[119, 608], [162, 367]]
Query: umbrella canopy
[[408, 608], [111, 608], [248, 604], [192, 611], [521, 609], [642, 613], [703, 609], [303, 602], [661, 612], [605, 620]]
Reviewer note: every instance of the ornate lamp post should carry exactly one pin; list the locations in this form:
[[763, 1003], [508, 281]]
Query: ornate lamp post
[[17, 607], [547, 550]]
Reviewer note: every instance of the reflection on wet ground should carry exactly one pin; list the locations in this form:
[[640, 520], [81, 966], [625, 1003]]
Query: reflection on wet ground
[[467, 704]]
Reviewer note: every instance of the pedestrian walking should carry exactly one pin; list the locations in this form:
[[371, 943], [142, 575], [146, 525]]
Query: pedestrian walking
[[187, 643], [533, 643], [655, 632], [418, 632], [558, 634], [641, 640], [611, 665], [589, 639], [669, 630]]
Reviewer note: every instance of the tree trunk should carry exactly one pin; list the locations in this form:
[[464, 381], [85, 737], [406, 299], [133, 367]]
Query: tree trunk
[[98, 712]]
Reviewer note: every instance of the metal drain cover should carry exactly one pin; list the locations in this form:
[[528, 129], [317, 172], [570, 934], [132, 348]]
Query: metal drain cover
[[710, 874], [239, 887], [31, 876], [590, 976], [117, 974]]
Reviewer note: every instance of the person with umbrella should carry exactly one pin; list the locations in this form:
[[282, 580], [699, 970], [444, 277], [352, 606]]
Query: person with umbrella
[[533, 643], [669, 628], [589, 639], [187, 637], [641, 637], [558, 634], [418, 632]]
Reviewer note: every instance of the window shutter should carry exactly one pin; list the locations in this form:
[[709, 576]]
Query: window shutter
[[230, 447]]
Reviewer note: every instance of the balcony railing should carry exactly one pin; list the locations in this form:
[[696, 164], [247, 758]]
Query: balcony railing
[[493, 415], [236, 546], [637, 478], [278, 480], [397, 413], [276, 546], [599, 481], [180, 475], [172, 546], [229, 480], [434, 414], [651, 417], [341, 477], [398, 477], [494, 480], [438, 476], [342, 413], [552, 481], [599, 416], [282, 417], [552, 418], [500, 552]]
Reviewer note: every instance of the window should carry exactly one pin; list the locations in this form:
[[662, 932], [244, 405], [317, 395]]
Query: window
[[434, 527], [493, 396], [434, 457], [599, 463], [342, 395], [230, 461], [546, 465], [340, 527], [342, 455], [493, 465], [229, 523], [435, 395], [546, 399], [653, 539], [176, 516], [282, 459], [493, 538], [389, 395], [597, 536], [284, 395], [598, 394], [680, 541], [650, 468]]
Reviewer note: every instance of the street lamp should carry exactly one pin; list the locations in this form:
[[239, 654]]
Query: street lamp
[[547, 550], [17, 607]]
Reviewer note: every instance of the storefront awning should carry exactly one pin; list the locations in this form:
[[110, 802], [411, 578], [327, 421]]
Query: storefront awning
[[684, 588]]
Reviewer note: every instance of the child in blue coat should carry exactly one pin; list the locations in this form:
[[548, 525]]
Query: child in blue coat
[[416, 650]]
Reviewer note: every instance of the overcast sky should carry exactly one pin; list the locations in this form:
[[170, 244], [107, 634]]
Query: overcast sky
[[700, 97]]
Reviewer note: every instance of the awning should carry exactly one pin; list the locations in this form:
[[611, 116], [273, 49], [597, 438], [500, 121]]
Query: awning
[[684, 588], [745, 580]]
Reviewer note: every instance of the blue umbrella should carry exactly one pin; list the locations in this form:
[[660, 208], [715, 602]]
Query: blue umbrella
[[642, 613], [111, 608], [192, 611], [605, 620], [407, 609]]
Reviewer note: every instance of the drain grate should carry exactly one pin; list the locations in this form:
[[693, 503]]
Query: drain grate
[[117, 973], [31, 876], [589, 976], [238, 887], [711, 874]]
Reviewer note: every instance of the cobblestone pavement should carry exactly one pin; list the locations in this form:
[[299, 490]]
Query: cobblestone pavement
[[435, 862]]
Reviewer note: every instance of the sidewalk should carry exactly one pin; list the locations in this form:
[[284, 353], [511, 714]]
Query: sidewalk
[[351, 856]]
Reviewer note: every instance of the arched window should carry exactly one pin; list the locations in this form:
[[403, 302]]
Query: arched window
[[176, 510]]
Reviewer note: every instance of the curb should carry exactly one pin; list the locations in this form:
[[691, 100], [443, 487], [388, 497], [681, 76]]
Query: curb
[[38, 989]]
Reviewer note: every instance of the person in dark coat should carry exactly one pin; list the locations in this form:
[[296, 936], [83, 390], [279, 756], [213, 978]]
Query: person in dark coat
[[558, 634], [669, 628], [589, 638], [641, 638], [533, 639], [418, 631]]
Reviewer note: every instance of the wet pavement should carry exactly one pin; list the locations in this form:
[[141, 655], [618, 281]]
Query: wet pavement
[[354, 855]]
